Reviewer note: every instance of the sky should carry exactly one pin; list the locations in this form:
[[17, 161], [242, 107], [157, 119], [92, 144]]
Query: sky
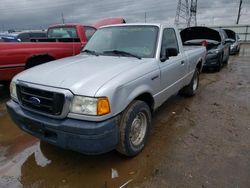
[[39, 14]]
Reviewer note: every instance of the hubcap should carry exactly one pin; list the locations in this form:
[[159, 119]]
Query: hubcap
[[138, 129]]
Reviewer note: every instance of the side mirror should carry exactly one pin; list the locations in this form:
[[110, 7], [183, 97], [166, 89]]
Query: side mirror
[[168, 52], [172, 52]]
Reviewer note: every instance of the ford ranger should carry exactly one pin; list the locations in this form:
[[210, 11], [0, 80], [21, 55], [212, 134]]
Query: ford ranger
[[103, 99]]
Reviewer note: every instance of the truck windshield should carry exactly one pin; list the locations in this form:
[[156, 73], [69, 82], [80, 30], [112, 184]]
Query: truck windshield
[[62, 33], [138, 41]]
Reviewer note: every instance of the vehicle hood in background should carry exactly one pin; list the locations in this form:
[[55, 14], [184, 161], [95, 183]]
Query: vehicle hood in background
[[230, 34], [109, 21], [82, 74], [192, 33]]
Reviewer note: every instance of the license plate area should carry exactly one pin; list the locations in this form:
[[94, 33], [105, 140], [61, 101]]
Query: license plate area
[[34, 127], [37, 128]]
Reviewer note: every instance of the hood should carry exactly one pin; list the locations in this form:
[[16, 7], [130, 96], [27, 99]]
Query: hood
[[192, 33], [82, 74], [230, 34], [109, 21]]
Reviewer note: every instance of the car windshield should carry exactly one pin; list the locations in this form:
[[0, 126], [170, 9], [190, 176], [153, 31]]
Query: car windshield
[[137, 41], [62, 32]]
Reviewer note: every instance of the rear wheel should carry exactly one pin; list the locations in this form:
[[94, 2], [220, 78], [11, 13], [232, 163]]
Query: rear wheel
[[134, 126], [191, 89]]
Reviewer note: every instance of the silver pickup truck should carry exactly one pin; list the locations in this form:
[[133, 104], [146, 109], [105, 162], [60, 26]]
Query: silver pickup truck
[[103, 98]]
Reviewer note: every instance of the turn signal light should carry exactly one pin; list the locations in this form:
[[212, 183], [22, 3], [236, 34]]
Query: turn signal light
[[103, 106]]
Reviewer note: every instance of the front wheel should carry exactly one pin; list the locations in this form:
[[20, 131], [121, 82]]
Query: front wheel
[[219, 64], [227, 59], [134, 126]]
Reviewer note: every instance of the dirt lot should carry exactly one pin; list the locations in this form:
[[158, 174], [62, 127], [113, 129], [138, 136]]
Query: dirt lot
[[194, 142]]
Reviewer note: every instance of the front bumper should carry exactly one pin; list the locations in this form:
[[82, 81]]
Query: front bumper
[[77, 135], [234, 49], [212, 60]]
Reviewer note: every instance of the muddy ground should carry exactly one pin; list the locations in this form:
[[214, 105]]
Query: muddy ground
[[202, 141]]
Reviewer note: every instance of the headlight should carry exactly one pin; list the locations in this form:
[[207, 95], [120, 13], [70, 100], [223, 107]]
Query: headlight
[[233, 45], [90, 106], [13, 92], [213, 52]]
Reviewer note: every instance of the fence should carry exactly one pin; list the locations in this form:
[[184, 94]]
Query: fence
[[242, 30]]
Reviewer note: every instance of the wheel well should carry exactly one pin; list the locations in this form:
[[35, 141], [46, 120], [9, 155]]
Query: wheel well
[[38, 60], [147, 98], [198, 66]]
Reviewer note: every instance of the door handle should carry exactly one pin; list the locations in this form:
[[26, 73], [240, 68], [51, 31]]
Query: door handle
[[182, 62], [155, 77]]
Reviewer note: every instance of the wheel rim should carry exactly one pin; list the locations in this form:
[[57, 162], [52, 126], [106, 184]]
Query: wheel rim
[[138, 129], [195, 83]]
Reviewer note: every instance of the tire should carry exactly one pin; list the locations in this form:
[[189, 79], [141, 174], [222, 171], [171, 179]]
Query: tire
[[238, 51], [219, 65], [191, 89], [226, 62], [131, 140]]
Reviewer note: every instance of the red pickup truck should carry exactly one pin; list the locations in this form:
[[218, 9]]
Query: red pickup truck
[[62, 41]]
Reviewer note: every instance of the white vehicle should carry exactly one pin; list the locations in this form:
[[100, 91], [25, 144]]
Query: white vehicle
[[103, 98]]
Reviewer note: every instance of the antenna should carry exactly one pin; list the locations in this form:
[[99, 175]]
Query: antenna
[[192, 21], [239, 11], [182, 14], [63, 19]]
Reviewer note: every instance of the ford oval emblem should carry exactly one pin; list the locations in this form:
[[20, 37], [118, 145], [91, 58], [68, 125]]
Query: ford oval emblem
[[35, 101]]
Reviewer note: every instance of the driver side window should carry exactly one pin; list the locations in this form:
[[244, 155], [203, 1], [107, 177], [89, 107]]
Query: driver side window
[[169, 41]]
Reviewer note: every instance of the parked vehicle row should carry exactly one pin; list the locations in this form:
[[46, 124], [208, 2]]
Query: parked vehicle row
[[103, 98], [216, 42], [62, 41]]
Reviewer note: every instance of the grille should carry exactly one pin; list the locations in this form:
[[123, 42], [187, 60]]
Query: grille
[[41, 101]]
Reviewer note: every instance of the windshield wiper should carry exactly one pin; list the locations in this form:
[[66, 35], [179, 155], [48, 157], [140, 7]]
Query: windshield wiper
[[91, 52], [119, 52]]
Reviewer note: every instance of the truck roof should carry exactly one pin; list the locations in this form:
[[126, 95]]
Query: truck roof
[[67, 25], [141, 24], [98, 24]]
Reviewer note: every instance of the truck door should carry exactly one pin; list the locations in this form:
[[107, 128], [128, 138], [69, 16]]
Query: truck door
[[173, 69]]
